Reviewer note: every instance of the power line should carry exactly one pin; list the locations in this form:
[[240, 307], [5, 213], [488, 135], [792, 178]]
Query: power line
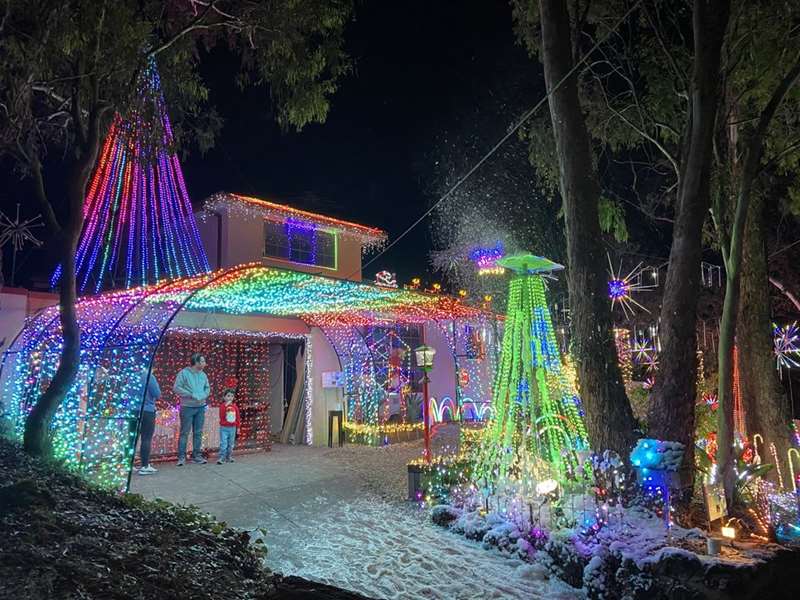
[[502, 140]]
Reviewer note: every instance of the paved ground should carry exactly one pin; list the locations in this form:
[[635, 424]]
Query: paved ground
[[339, 516]]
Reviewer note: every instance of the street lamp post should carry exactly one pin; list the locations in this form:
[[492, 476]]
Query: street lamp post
[[424, 356]]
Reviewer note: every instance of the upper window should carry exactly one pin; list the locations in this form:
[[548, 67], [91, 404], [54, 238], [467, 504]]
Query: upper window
[[300, 243]]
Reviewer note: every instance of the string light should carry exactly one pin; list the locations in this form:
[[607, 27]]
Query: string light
[[738, 406], [95, 427], [485, 259], [622, 339], [370, 238], [139, 227], [535, 414], [236, 359]]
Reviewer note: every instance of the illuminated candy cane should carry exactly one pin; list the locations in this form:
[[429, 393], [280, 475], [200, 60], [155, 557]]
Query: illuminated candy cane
[[777, 464], [791, 466], [757, 457]]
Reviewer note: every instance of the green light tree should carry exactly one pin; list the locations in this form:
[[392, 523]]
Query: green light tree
[[537, 419]]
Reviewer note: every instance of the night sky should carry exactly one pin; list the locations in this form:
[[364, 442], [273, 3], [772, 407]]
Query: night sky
[[418, 66]]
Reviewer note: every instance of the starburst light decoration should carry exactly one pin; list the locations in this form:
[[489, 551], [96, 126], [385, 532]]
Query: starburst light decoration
[[18, 233], [787, 347], [622, 287], [642, 351]]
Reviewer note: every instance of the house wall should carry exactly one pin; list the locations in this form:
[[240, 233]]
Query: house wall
[[243, 242], [324, 359], [16, 305], [443, 375]]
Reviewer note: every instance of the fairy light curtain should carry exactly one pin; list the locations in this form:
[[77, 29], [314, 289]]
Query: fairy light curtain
[[95, 428], [236, 359], [537, 419], [139, 227]]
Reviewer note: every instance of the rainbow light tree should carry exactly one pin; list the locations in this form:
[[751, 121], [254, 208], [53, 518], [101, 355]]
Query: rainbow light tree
[[537, 425], [139, 227]]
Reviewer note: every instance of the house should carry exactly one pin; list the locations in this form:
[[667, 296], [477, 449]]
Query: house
[[238, 229], [285, 318]]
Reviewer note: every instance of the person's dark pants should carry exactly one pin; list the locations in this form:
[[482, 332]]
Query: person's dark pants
[[192, 417], [147, 429]]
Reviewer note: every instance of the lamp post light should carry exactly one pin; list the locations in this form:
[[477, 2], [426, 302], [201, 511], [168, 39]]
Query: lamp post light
[[424, 356]]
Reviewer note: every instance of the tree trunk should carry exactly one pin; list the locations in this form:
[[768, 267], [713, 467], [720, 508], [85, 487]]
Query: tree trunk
[[609, 419], [767, 410], [37, 426], [733, 259], [671, 414]]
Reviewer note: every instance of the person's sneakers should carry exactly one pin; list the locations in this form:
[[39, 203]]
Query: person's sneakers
[[199, 461], [230, 459], [181, 462], [220, 462], [148, 470]]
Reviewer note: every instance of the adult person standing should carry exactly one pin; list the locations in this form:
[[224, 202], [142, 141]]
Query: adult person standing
[[191, 386], [152, 392]]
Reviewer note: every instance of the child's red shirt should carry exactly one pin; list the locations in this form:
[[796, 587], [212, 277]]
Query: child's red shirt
[[228, 415]]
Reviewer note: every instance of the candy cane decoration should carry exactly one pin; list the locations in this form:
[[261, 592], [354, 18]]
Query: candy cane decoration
[[757, 456], [791, 466], [777, 464]]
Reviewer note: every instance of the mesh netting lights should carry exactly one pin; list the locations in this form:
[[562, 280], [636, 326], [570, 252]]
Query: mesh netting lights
[[139, 227]]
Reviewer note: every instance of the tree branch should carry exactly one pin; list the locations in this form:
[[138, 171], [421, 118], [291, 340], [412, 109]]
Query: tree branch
[[787, 150], [664, 48], [194, 25], [642, 133], [40, 194]]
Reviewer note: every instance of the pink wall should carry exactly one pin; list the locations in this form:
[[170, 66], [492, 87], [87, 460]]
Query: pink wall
[[16, 304], [243, 242], [443, 375]]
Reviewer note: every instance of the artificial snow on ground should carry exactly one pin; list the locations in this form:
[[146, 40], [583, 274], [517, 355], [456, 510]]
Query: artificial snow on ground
[[385, 550], [384, 547], [339, 516]]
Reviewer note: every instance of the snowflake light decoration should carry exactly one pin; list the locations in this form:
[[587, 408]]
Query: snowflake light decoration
[[786, 347], [621, 287]]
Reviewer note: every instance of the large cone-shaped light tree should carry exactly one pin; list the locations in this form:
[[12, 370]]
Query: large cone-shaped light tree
[[537, 419], [138, 225]]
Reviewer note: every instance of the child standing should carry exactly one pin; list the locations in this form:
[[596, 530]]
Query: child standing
[[228, 423]]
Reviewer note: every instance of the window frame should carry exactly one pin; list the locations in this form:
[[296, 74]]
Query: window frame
[[283, 250]]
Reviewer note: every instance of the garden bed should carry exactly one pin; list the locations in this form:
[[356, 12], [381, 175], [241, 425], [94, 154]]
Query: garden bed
[[63, 538], [634, 558]]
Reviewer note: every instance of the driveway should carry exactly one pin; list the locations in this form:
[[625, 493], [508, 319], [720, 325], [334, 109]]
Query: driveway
[[338, 516]]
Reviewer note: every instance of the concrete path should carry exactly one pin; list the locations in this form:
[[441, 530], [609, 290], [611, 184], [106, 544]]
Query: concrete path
[[255, 491]]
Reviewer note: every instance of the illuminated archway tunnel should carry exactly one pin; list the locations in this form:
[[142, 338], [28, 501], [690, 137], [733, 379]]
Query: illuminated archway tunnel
[[95, 428]]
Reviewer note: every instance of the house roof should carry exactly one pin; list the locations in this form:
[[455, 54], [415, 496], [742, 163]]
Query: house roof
[[369, 237], [317, 300]]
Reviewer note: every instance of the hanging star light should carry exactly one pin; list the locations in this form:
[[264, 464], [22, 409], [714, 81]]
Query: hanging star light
[[786, 347], [621, 287], [18, 233]]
